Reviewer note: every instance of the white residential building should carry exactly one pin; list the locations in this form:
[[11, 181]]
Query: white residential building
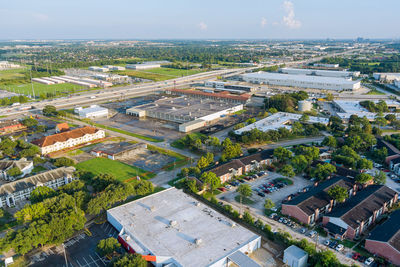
[[14, 192], [25, 166]]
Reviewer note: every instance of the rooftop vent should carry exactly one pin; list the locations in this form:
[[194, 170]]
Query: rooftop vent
[[152, 208], [198, 241], [173, 223], [233, 224], [197, 204]]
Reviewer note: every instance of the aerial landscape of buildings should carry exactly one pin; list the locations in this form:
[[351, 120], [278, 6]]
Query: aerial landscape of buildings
[[266, 135]]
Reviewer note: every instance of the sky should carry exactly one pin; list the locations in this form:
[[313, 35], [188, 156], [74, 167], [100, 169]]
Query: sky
[[204, 19]]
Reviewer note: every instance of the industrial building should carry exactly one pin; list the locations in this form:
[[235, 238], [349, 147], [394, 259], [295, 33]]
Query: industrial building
[[224, 86], [4, 65], [301, 81], [346, 108], [94, 111], [98, 69], [171, 228], [111, 67], [279, 120], [325, 65], [397, 83], [220, 96], [324, 73], [117, 151], [143, 66], [386, 77], [305, 105], [191, 113]]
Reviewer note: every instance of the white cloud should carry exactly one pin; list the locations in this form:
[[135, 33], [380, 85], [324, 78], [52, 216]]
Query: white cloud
[[289, 19], [263, 22], [202, 26]]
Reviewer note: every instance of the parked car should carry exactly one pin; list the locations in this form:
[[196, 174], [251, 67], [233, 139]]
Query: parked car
[[369, 261], [355, 256], [303, 230], [228, 186], [327, 242], [261, 194], [339, 247], [333, 244], [241, 180], [272, 215], [312, 233], [223, 189]]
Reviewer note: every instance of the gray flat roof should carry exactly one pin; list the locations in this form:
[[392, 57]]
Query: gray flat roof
[[169, 222], [296, 252], [300, 78]]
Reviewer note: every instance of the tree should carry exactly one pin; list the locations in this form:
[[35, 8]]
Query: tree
[[304, 118], [49, 111], [244, 190], [130, 260], [63, 161], [272, 110], [215, 141], [211, 180], [380, 178], [329, 97], [268, 204], [364, 164], [282, 154], [202, 163], [107, 246], [364, 178], [251, 120], [29, 122], [380, 121], [299, 163], [40, 193], [209, 158], [14, 172], [323, 171], [287, 170], [390, 117], [330, 141], [338, 193]]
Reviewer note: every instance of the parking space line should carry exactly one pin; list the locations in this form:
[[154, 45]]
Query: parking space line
[[111, 230], [100, 258], [80, 265], [94, 261], [87, 263]]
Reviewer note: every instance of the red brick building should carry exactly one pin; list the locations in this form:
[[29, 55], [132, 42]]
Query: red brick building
[[10, 126], [384, 240], [355, 215], [310, 206]]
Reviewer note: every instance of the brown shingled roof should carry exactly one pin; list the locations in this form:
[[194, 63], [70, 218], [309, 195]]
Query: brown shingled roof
[[224, 168], [63, 127], [64, 136]]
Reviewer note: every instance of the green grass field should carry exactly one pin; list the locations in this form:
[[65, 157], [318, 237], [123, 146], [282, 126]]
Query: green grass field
[[42, 88], [12, 73], [158, 74], [120, 170]]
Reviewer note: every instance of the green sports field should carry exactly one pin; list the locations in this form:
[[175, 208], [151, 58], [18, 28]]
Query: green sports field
[[12, 73], [158, 74], [121, 171], [39, 88]]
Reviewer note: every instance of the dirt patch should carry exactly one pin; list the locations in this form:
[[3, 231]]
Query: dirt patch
[[149, 160]]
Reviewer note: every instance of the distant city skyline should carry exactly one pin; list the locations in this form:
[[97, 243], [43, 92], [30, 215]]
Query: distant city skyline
[[178, 19]]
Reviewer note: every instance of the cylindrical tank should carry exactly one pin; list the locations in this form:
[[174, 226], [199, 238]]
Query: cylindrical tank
[[305, 105]]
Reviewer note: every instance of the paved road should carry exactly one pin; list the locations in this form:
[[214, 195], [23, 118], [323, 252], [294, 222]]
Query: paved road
[[293, 142]]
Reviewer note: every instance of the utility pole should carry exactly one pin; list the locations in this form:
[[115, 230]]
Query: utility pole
[[65, 256], [33, 90]]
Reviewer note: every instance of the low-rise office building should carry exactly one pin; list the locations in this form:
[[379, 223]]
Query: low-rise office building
[[20, 190], [171, 228], [60, 141], [94, 111], [384, 240], [387, 77], [294, 256], [301, 81], [279, 120], [355, 215]]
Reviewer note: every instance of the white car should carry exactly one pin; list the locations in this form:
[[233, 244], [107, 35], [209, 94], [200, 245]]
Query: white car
[[369, 261], [339, 247], [327, 242]]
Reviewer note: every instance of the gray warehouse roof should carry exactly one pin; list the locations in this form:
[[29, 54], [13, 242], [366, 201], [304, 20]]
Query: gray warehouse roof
[[296, 252]]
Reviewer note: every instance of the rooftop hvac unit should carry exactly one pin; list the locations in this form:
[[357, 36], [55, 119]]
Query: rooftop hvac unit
[[233, 224], [173, 223], [152, 208], [197, 204], [198, 241], [173, 108]]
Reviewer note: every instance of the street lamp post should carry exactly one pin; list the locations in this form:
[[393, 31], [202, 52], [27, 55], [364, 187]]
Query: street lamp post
[[65, 255]]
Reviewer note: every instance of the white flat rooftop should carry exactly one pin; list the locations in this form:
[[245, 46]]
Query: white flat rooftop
[[300, 78], [279, 120], [168, 224], [353, 107]]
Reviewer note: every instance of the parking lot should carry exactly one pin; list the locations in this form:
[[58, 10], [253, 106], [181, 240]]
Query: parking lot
[[276, 196], [80, 250]]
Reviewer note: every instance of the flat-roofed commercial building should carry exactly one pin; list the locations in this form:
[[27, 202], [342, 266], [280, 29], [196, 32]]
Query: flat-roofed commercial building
[[324, 73], [94, 111], [171, 228], [301, 81], [191, 113], [143, 66]]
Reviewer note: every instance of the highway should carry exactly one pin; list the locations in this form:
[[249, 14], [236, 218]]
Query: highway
[[98, 96]]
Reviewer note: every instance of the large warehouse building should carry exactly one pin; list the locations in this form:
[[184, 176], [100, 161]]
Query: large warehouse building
[[191, 113], [302, 81], [324, 73], [170, 228]]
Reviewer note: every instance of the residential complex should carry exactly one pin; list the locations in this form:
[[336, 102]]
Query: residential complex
[[60, 141], [302, 81], [384, 240], [20, 190], [172, 228], [10, 126], [25, 166]]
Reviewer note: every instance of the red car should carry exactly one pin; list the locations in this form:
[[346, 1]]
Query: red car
[[356, 255], [223, 189]]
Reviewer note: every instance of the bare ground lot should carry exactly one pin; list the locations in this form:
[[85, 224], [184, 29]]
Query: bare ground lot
[[149, 160]]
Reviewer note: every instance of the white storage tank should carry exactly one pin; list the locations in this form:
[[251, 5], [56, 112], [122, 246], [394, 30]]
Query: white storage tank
[[305, 105]]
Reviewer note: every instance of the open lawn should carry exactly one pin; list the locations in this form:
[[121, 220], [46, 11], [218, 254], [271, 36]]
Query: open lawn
[[39, 88], [158, 74], [123, 172], [245, 200], [12, 74]]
